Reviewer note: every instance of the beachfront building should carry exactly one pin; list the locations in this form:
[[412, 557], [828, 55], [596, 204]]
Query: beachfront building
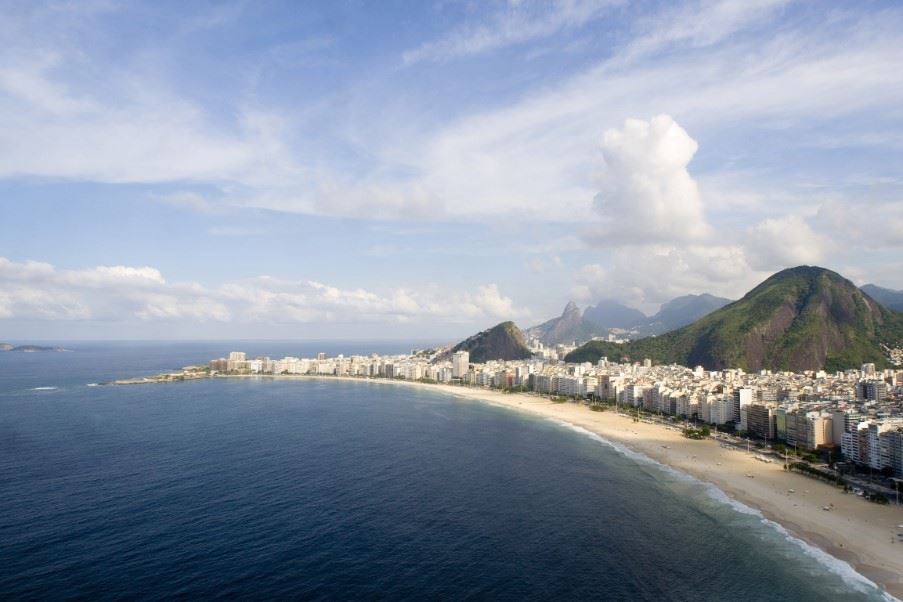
[[742, 398], [237, 362], [460, 364], [808, 429], [760, 420], [806, 410]]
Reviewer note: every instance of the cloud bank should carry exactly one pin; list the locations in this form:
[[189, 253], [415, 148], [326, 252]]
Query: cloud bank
[[34, 290]]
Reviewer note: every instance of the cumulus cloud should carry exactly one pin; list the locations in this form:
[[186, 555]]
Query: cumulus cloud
[[34, 290], [646, 277], [778, 243], [647, 195]]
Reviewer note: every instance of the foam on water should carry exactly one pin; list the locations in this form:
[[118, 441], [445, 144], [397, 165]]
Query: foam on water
[[835, 565], [44, 389]]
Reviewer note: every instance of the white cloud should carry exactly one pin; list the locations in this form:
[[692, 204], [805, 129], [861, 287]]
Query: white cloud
[[646, 277], [516, 23], [32, 290], [699, 24], [869, 224], [533, 158], [778, 243], [647, 195], [67, 111], [275, 300]]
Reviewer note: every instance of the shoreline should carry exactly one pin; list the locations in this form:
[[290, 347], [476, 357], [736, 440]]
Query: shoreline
[[858, 533]]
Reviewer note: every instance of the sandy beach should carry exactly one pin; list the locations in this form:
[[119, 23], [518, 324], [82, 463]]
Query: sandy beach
[[858, 532]]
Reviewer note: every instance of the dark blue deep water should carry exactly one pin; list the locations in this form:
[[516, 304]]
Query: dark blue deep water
[[321, 489]]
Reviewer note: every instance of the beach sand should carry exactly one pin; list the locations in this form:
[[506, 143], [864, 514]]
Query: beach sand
[[856, 531]]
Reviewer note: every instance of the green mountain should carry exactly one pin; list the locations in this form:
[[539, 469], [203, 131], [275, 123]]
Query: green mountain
[[569, 327], [887, 297], [503, 341], [803, 318]]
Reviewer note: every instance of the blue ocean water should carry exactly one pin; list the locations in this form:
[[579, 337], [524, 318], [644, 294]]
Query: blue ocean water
[[324, 489]]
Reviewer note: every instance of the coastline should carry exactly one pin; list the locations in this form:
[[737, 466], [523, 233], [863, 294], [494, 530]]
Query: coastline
[[857, 532]]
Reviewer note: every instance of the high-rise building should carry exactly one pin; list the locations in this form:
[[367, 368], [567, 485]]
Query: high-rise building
[[843, 421], [237, 361], [760, 420], [742, 397], [460, 364], [872, 390]]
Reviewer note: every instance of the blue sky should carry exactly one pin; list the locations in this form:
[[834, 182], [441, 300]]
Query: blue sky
[[417, 169]]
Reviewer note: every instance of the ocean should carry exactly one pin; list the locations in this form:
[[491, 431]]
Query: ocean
[[322, 489]]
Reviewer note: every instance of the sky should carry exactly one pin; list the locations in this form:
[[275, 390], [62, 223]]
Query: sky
[[380, 170]]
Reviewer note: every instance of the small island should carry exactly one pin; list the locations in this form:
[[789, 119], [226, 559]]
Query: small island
[[29, 348]]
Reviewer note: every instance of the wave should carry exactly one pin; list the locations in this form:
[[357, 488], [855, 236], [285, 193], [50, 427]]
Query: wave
[[837, 566], [92, 385], [44, 389]]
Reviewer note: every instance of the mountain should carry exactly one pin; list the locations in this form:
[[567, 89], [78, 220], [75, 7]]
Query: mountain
[[681, 311], [889, 298], [803, 318], [569, 327], [612, 314], [503, 341], [608, 314]]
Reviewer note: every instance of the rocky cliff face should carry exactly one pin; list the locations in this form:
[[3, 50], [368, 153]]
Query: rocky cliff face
[[567, 328]]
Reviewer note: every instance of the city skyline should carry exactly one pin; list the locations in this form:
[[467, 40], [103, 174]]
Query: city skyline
[[425, 171]]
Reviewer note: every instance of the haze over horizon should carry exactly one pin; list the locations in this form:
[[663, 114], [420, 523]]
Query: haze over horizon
[[425, 170]]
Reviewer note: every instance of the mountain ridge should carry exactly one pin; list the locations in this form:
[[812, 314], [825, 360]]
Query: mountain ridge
[[887, 297], [608, 315], [803, 318], [570, 326]]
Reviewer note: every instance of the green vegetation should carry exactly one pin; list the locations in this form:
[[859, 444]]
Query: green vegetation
[[696, 433], [814, 472], [804, 318], [878, 498], [503, 341]]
